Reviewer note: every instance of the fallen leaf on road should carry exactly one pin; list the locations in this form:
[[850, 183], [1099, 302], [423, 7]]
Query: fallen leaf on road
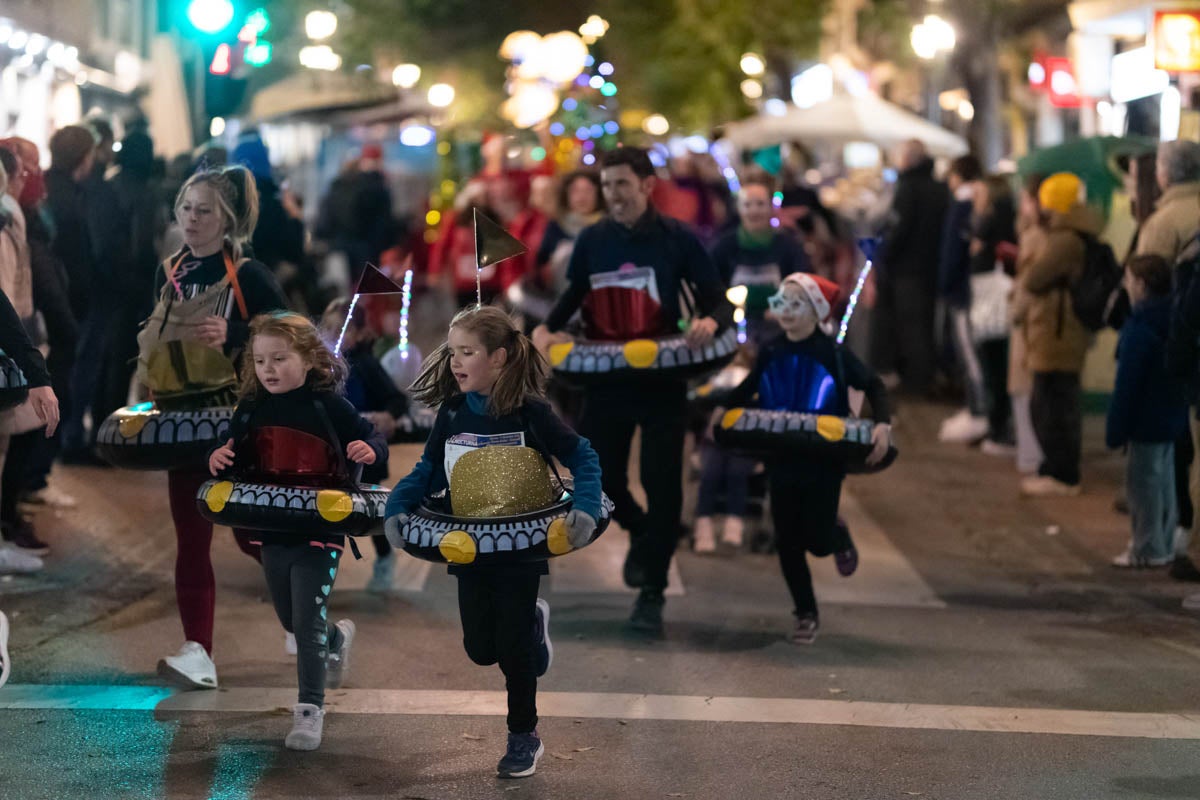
[[583, 749], [562, 756], [472, 737]]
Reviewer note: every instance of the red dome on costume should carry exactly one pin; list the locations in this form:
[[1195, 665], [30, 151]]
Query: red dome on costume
[[294, 458], [617, 313]]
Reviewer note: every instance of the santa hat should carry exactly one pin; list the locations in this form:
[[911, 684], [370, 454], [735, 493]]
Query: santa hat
[[822, 293]]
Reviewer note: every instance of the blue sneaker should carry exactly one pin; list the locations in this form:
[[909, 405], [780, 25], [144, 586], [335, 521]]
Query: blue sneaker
[[524, 750], [545, 653]]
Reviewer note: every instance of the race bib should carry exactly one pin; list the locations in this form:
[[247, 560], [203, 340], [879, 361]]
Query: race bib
[[760, 275], [460, 444], [637, 278]]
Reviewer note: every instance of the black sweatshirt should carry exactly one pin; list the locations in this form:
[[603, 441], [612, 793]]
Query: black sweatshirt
[[259, 288], [14, 341], [820, 351], [681, 267], [297, 409]]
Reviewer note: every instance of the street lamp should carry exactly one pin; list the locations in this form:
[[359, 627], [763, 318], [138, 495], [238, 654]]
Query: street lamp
[[932, 37], [406, 76], [320, 24], [441, 95]]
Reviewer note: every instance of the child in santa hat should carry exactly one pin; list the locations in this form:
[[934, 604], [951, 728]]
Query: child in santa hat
[[806, 370]]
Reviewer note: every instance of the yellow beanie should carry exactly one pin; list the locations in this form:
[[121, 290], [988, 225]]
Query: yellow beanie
[[1060, 192]]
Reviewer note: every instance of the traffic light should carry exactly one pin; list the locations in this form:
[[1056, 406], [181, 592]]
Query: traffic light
[[210, 16]]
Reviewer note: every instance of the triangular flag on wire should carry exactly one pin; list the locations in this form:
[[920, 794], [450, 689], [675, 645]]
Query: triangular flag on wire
[[493, 244], [373, 281]]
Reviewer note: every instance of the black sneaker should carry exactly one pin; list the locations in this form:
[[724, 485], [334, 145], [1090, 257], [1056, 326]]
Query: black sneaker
[[805, 631], [634, 571], [524, 750], [647, 612], [21, 535], [545, 649], [1184, 569], [846, 558]]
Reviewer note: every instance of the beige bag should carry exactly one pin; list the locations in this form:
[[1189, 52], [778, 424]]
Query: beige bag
[[179, 369]]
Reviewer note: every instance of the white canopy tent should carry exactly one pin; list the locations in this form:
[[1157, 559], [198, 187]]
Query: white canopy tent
[[842, 119]]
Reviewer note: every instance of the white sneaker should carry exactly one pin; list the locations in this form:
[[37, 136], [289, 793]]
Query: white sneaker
[[1192, 602], [191, 666], [1045, 486], [704, 536], [52, 497], [5, 664], [733, 531], [337, 663], [1127, 560], [289, 643], [13, 561], [382, 574], [963, 428], [307, 723]]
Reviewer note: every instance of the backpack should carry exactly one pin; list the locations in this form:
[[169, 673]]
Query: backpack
[[1099, 286]]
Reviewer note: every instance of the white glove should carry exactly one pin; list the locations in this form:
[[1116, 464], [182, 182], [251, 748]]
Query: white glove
[[579, 528], [393, 529]]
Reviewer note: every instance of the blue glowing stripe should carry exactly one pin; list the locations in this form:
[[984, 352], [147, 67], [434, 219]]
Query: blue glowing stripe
[[797, 383]]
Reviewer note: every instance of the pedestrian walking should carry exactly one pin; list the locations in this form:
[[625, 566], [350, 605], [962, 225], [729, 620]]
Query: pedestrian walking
[[487, 382], [207, 294], [691, 298], [291, 382], [1147, 414], [805, 370]]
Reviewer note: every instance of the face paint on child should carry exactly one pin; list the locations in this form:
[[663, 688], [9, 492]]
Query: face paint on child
[[794, 311], [277, 365]]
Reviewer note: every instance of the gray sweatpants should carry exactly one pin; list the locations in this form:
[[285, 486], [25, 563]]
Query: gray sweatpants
[[300, 578]]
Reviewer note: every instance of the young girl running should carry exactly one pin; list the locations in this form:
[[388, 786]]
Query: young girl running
[[289, 394], [487, 381]]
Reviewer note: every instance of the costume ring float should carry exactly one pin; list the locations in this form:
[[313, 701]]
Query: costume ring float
[[304, 510], [146, 437], [433, 533], [780, 434], [589, 362]]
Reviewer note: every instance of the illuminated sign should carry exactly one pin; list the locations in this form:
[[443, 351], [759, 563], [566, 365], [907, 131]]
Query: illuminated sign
[[1177, 41], [1134, 76], [1060, 78]]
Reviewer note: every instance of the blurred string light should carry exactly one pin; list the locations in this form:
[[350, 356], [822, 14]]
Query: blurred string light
[[405, 76], [752, 64], [210, 16], [216, 127], [589, 159], [752, 88], [441, 95], [868, 247], [596, 81], [320, 25], [727, 170], [656, 125], [594, 29], [605, 69], [433, 217], [570, 104], [405, 302], [608, 89], [337, 349], [739, 317], [538, 154], [932, 36], [416, 136], [775, 107], [319, 56], [557, 129], [258, 21]]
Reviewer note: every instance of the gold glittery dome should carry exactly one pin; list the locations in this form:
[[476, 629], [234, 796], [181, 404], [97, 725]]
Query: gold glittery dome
[[499, 481]]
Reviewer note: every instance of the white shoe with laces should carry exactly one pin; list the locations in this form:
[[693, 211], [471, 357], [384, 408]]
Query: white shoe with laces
[[963, 428], [307, 724], [191, 666], [337, 663], [13, 561]]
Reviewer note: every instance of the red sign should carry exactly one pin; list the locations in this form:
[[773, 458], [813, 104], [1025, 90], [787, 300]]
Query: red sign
[[1177, 41], [1060, 81]]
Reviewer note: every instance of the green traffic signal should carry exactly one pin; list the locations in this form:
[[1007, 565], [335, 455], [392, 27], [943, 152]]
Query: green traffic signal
[[259, 22], [258, 54], [210, 16]]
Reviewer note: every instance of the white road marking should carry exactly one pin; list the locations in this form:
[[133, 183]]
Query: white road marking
[[595, 705], [884, 577], [597, 568]]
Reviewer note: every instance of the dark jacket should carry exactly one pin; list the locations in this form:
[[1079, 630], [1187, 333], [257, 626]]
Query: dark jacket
[[681, 266], [66, 213], [914, 233], [51, 293], [1147, 404], [14, 341], [954, 285], [742, 262], [142, 223], [278, 237], [370, 388]]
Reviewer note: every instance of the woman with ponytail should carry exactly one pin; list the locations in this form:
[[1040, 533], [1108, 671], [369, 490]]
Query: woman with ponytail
[[206, 294], [487, 382]]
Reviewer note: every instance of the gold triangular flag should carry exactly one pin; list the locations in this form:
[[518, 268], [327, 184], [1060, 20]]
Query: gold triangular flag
[[493, 244]]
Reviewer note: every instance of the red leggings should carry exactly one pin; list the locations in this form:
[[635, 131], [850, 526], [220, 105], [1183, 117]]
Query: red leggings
[[195, 586]]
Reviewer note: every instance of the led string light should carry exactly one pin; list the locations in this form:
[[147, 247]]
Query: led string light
[[868, 248], [406, 298], [337, 350]]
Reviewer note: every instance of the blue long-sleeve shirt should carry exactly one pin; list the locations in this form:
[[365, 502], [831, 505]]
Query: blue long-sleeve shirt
[[540, 429]]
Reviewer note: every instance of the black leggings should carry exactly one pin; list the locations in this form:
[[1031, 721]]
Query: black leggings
[[498, 620], [609, 419], [804, 505], [300, 578]]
